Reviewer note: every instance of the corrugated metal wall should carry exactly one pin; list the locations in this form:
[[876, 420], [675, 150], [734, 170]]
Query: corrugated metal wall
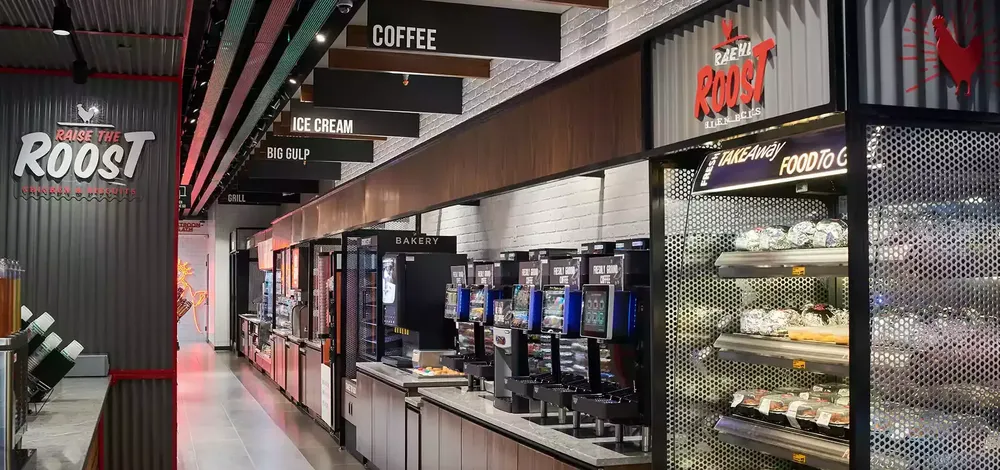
[[904, 66], [797, 76], [103, 266]]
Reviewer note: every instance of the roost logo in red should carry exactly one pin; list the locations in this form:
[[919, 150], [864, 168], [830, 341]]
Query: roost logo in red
[[731, 90]]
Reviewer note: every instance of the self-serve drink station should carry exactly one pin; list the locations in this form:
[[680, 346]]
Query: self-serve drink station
[[493, 281], [615, 305]]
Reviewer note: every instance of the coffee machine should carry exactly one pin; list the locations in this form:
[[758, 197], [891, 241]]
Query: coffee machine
[[580, 370], [493, 280], [469, 343], [615, 301]]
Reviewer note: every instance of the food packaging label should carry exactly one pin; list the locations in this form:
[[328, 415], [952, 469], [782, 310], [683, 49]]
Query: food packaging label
[[792, 412], [765, 406], [844, 392], [804, 395], [737, 399], [843, 401], [824, 419]]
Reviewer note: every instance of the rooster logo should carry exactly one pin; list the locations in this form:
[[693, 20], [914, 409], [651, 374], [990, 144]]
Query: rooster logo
[[939, 48], [961, 62], [86, 114], [727, 32]]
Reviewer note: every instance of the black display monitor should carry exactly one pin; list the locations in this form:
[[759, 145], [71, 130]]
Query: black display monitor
[[597, 306], [520, 307]]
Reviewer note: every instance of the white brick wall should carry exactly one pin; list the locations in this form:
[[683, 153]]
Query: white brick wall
[[586, 33], [560, 214]]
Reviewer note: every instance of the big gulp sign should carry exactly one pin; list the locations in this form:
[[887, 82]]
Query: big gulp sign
[[84, 150], [731, 89]]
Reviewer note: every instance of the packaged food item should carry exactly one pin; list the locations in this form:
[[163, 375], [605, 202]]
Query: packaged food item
[[825, 397], [801, 234], [814, 315], [802, 414], [749, 240], [830, 233], [746, 402], [791, 390], [837, 388], [824, 334], [766, 323], [834, 421], [773, 406], [774, 238], [841, 317]]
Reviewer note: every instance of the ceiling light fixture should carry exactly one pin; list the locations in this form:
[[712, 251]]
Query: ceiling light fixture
[[193, 120], [62, 19], [292, 81], [203, 83], [320, 38]]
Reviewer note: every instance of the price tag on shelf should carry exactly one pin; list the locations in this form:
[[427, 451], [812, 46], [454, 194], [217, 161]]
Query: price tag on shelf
[[798, 364], [824, 419], [799, 458], [798, 270]]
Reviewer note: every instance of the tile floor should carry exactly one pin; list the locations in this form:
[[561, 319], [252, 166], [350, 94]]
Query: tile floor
[[232, 417]]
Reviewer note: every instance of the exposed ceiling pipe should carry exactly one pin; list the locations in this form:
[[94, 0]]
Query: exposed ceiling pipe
[[304, 37], [274, 21], [239, 14]]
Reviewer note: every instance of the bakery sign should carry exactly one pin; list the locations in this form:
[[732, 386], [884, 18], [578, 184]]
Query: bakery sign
[[798, 158], [68, 162], [731, 88]]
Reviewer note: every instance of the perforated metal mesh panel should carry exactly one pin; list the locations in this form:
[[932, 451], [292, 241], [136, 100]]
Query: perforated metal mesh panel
[[700, 305], [406, 223], [934, 222], [351, 306]]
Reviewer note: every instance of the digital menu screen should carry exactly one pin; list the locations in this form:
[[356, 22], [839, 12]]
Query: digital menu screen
[[595, 313], [521, 302], [477, 305], [451, 303], [553, 302]]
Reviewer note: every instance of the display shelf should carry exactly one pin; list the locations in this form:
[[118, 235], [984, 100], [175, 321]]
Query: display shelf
[[814, 262], [823, 358], [785, 443]]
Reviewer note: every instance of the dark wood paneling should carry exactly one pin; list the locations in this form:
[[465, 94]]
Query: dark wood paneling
[[585, 123], [602, 4], [387, 92], [530, 459], [502, 452], [382, 61], [474, 446], [429, 432], [306, 93]]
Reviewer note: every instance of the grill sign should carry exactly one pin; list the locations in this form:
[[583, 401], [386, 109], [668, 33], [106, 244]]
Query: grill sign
[[781, 161], [85, 150], [731, 90]]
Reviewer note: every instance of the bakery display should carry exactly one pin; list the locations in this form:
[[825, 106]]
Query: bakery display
[[437, 372]]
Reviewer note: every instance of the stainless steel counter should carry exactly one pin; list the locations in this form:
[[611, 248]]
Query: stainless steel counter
[[406, 379], [62, 432], [473, 406]]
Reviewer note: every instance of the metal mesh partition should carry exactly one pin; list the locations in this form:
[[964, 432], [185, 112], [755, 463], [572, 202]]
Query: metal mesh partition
[[255, 285], [406, 223], [700, 306], [351, 306], [934, 221]]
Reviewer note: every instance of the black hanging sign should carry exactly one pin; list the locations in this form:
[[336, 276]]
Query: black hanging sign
[[315, 149], [293, 170], [309, 119], [454, 28], [257, 199], [797, 158]]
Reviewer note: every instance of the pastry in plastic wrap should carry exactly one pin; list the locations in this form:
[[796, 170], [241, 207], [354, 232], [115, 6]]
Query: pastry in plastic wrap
[[749, 240], [830, 233], [802, 413], [766, 323], [841, 317], [774, 238], [801, 234]]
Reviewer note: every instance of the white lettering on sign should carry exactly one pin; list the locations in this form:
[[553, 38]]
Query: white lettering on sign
[[806, 162], [37, 145], [598, 269], [236, 198], [404, 37], [558, 271], [417, 240], [288, 153], [322, 125]]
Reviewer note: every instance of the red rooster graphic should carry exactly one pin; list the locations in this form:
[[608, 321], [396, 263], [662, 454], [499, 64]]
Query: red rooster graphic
[[961, 62]]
